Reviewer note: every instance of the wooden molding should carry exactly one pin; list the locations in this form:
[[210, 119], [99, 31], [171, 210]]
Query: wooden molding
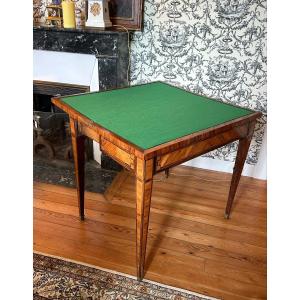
[[54, 88]]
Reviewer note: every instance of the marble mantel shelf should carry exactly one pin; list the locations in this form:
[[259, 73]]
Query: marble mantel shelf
[[82, 29], [109, 46]]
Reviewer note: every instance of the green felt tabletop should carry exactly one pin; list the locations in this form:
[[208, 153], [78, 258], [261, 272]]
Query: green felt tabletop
[[152, 114]]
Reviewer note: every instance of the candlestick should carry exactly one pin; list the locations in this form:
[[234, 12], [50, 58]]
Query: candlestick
[[68, 14]]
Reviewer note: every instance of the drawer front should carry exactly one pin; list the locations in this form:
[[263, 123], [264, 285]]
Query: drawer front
[[127, 160], [89, 132], [186, 153]]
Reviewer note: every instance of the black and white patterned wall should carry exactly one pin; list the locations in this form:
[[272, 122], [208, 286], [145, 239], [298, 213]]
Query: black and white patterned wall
[[215, 48]]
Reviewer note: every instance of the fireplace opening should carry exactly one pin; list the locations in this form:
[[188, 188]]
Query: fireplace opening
[[52, 139], [52, 145]]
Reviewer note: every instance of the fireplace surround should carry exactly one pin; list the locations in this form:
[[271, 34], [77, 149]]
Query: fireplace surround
[[110, 48]]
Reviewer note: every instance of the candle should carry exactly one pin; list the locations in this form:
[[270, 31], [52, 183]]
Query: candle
[[68, 8]]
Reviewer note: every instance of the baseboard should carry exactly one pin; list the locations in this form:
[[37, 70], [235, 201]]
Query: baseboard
[[225, 166]]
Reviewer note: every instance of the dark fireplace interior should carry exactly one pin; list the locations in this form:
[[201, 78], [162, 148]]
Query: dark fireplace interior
[[50, 128], [52, 138], [52, 147]]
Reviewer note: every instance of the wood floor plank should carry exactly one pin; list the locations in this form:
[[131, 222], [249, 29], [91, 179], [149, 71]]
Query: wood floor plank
[[116, 184], [184, 235], [190, 244], [114, 212], [242, 274], [247, 224], [168, 211], [252, 263], [159, 200], [119, 252], [105, 239]]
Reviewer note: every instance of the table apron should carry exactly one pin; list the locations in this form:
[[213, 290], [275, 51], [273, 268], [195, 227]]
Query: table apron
[[184, 154], [89, 132], [125, 159], [164, 161]]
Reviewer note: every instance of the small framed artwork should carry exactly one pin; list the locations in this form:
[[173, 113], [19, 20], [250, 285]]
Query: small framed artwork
[[127, 13]]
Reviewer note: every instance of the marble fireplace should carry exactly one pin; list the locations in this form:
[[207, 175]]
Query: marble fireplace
[[70, 61]]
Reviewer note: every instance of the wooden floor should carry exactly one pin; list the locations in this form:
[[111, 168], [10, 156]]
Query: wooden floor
[[190, 244]]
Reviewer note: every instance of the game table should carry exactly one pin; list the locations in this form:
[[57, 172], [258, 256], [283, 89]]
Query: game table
[[150, 128]]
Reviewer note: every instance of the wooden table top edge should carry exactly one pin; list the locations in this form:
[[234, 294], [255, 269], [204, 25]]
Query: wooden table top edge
[[166, 83], [204, 133], [151, 152]]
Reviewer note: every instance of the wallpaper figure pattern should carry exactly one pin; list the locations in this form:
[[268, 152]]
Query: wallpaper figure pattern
[[215, 48]]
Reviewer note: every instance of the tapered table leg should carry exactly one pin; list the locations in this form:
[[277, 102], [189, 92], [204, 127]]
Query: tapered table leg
[[143, 202], [167, 173], [243, 148], [78, 155]]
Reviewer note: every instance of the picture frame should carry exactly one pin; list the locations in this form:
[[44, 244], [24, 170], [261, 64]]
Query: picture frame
[[127, 13]]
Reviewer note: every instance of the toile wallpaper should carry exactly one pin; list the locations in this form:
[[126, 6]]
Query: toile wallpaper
[[215, 48]]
